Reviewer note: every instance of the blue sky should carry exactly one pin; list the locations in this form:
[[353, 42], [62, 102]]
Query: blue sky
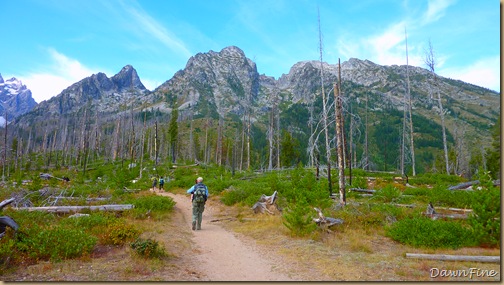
[[51, 44]]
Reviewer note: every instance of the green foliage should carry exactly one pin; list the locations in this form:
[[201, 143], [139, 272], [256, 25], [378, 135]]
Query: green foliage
[[55, 243], [387, 194], [439, 179], [359, 182], [119, 233], [486, 217], [298, 217], [153, 202], [440, 196], [426, 233], [291, 154], [493, 154], [148, 248]]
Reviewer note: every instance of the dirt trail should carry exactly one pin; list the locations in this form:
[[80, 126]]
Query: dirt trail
[[222, 255]]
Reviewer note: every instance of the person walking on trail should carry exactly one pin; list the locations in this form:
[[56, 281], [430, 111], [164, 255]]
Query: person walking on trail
[[161, 183], [154, 183], [199, 197]]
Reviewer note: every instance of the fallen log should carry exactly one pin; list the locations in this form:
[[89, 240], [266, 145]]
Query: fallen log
[[447, 216], [362, 190], [481, 258], [67, 209], [455, 209], [6, 202], [465, 185]]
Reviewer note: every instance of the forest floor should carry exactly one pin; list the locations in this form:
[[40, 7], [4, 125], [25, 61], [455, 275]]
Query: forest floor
[[236, 245]]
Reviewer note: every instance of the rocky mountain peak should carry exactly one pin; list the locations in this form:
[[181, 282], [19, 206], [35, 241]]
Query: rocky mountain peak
[[128, 78], [15, 98]]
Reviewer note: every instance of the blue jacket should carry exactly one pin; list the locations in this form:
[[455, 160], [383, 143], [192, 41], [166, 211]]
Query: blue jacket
[[192, 189]]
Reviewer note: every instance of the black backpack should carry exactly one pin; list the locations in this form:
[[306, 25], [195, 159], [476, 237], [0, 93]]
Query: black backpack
[[199, 193]]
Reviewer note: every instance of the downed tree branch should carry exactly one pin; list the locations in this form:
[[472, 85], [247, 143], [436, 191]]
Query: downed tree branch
[[449, 216], [6, 202], [481, 258], [67, 209], [431, 212], [224, 219], [455, 209], [362, 190], [465, 185]]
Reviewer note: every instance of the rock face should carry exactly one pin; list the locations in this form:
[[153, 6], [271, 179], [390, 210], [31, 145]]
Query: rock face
[[15, 98], [226, 80], [106, 94]]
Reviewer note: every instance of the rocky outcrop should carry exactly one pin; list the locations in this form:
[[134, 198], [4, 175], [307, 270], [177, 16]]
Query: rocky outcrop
[[226, 80], [15, 98]]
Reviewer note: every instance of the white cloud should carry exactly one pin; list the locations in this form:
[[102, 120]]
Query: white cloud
[[150, 26], [386, 47], [60, 74], [435, 10], [484, 72]]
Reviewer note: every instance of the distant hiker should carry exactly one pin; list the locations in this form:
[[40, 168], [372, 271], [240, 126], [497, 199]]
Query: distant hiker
[[154, 183], [161, 183], [199, 196]]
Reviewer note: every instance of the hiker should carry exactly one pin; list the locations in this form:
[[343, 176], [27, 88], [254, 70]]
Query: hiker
[[161, 183], [154, 183], [199, 196]]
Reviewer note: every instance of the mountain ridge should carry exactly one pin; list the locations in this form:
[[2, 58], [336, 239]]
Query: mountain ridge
[[226, 84]]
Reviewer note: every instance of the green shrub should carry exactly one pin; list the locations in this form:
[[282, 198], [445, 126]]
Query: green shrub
[[27, 219], [119, 233], [441, 196], [153, 202], [298, 217], [55, 243], [486, 217], [148, 248], [359, 182], [95, 223], [387, 194], [424, 232]]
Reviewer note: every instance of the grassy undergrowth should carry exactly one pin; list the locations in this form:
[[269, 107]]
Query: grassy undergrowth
[[299, 191]]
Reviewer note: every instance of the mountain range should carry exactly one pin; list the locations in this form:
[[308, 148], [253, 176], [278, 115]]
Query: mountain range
[[226, 84]]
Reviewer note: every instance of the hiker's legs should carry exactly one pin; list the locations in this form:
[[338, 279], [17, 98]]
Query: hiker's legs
[[200, 215], [194, 215]]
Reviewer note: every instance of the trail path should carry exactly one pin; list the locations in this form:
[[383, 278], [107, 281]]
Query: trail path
[[222, 255]]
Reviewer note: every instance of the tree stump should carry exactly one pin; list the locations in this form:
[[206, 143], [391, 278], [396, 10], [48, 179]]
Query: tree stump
[[266, 204]]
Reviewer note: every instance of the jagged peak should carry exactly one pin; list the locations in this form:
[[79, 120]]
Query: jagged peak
[[128, 78], [232, 49], [1, 78]]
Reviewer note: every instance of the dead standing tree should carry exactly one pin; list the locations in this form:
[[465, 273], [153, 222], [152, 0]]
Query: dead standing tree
[[325, 112], [430, 61], [339, 134]]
